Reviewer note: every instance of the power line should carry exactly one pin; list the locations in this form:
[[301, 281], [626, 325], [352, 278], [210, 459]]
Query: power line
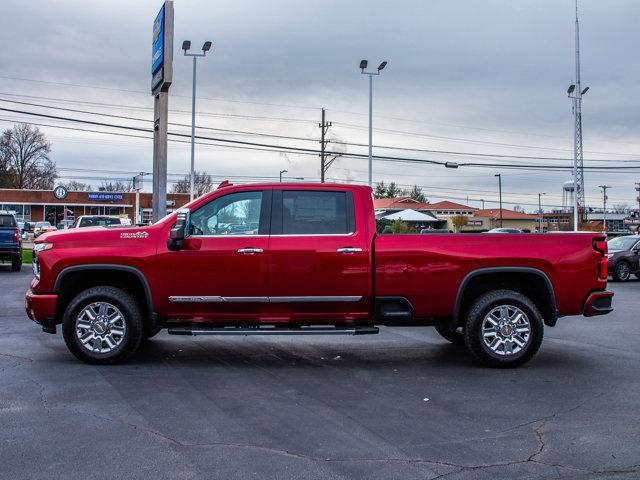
[[244, 132]]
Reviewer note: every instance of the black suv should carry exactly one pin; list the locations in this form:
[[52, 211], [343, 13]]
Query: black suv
[[623, 257]]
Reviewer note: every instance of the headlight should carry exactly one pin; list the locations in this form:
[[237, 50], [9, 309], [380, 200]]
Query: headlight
[[41, 247]]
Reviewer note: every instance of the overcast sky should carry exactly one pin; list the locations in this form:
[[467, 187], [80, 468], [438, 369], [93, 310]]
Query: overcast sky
[[466, 76]]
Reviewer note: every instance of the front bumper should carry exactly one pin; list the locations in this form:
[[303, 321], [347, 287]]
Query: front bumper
[[42, 309], [598, 303]]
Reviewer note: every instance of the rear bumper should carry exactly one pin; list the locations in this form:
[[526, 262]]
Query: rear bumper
[[12, 250], [41, 309], [598, 303]]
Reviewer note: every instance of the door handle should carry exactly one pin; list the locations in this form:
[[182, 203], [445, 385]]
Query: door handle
[[349, 250], [249, 250]]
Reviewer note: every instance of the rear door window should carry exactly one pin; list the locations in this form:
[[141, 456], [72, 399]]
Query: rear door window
[[308, 212]]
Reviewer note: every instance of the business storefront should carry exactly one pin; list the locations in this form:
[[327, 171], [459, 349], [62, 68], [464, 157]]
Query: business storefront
[[55, 206]]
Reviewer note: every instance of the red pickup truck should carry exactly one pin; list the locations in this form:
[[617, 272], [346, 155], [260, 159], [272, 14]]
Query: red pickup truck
[[306, 259]]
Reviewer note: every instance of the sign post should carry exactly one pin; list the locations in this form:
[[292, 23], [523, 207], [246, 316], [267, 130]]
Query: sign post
[[161, 77]]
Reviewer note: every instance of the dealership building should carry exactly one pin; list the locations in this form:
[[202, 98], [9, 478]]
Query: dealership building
[[56, 205]]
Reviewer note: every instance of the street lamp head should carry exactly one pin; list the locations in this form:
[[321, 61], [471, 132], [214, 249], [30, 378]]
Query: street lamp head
[[584, 91], [186, 45], [363, 64], [498, 175], [382, 65], [571, 89], [206, 46]]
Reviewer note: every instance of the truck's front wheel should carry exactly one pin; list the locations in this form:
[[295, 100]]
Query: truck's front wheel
[[102, 325], [504, 328]]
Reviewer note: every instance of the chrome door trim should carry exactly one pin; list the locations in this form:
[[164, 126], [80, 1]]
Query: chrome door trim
[[220, 299], [216, 299], [341, 298]]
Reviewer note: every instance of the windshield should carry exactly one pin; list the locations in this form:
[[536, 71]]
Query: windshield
[[622, 243], [42, 224], [99, 221]]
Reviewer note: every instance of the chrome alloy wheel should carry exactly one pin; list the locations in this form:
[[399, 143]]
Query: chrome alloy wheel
[[623, 270], [506, 330], [100, 327]]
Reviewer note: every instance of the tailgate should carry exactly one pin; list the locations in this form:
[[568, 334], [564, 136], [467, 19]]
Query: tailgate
[[6, 237]]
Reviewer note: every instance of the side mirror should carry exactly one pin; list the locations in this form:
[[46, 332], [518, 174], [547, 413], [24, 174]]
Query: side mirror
[[180, 230]]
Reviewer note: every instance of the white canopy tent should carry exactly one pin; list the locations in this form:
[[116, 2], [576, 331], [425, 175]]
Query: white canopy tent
[[410, 215]]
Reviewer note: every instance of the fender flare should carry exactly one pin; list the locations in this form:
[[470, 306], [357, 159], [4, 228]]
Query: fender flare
[[109, 266], [455, 318]]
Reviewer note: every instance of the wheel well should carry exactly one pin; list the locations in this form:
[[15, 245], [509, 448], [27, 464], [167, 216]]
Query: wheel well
[[534, 285], [76, 281]]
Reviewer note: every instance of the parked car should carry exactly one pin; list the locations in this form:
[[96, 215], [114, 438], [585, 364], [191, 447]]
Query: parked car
[[624, 257], [64, 224], [99, 221], [10, 241], [314, 266], [505, 230], [41, 228]]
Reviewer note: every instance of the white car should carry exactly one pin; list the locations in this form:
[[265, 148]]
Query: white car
[[99, 221]]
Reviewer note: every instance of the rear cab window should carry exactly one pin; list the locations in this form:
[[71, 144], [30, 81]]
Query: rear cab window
[[313, 212], [7, 221]]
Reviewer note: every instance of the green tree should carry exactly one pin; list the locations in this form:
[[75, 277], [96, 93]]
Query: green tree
[[398, 226], [393, 191], [380, 190], [416, 194]]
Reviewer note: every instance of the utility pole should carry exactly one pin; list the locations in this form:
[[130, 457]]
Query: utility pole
[[604, 206], [540, 210], [499, 175], [482, 200], [324, 126]]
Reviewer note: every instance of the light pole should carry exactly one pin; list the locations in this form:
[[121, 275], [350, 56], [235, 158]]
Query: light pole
[[363, 66], [540, 210], [281, 172], [186, 45], [482, 200], [604, 206], [499, 175]]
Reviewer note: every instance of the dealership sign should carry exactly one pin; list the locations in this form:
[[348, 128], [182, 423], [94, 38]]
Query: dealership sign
[[162, 48], [60, 192], [105, 196]]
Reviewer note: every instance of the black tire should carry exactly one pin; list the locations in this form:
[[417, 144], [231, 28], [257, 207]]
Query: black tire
[[622, 271], [16, 263], [450, 334], [476, 317], [131, 319]]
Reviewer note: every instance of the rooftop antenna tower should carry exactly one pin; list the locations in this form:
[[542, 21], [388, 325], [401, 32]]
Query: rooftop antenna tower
[[576, 92]]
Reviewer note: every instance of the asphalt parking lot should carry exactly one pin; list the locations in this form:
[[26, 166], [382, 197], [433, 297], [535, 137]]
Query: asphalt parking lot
[[404, 404]]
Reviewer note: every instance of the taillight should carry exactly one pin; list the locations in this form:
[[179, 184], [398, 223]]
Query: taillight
[[16, 236], [603, 266]]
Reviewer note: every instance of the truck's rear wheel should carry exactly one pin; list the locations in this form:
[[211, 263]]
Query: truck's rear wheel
[[16, 263], [503, 329], [457, 338], [102, 325]]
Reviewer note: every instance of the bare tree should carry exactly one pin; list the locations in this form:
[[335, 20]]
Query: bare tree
[[115, 186], [75, 186], [6, 174], [25, 151], [202, 184]]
